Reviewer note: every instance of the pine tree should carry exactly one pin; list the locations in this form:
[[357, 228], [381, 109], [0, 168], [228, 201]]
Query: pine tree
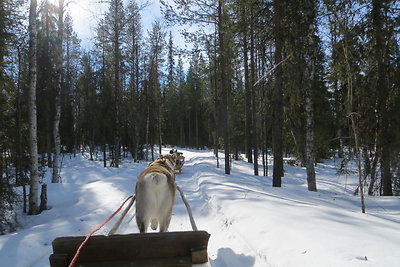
[[134, 36], [381, 58], [356, 72], [212, 13], [111, 33], [117, 17], [244, 27], [171, 107], [252, 84], [277, 98], [69, 103], [156, 44], [103, 72], [87, 102], [310, 58]]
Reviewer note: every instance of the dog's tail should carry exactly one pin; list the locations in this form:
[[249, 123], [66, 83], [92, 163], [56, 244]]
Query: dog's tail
[[118, 223]]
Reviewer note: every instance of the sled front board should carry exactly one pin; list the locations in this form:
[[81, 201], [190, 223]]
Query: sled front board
[[150, 249]]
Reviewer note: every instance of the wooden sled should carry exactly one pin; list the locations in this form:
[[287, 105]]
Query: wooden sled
[[173, 249]]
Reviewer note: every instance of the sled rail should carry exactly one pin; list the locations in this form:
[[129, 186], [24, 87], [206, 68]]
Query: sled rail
[[149, 249]]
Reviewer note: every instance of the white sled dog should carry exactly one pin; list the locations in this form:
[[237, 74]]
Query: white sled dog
[[155, 195]]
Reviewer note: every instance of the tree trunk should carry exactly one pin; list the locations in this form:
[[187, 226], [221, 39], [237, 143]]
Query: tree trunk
[[383, 89], [136, 146], [353, 118], [190, 142], [159, 134], [253, 101], [117, 89], [310, 154], [34, 183], [24, 198], [197, 128], [49, 148], [19, 180], [56, 129], [277, 100], [147, 133], [104, 156], [373, 175], [182, 131], [267, 128], [263, 162], [311, 56], [43, 198], [224, 85], [247, 95]]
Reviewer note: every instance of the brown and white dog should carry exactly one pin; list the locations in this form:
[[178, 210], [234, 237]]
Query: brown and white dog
[[155, 195], [179, 160]]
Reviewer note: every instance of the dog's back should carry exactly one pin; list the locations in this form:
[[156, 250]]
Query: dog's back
[[155, 196]]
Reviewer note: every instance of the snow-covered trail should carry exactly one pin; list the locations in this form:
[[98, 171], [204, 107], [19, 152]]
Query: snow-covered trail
[[251, 223]]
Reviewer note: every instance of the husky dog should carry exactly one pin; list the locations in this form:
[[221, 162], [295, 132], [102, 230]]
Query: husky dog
[[155, 194], [179, 160]]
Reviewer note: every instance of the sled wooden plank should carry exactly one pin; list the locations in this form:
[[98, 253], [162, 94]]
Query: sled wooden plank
[[59, 259], [141, 263], [150, 249]]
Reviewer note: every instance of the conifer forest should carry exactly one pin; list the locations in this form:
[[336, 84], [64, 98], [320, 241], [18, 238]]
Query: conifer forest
[[260, 79]]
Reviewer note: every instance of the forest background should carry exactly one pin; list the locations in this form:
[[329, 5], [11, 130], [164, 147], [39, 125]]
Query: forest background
[[311, 79]]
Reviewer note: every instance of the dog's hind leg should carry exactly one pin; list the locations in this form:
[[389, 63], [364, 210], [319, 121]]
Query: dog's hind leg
[[165, 221], [142, 224]]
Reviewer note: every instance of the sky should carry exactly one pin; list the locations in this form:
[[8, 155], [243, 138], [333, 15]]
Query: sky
[[86, 14]]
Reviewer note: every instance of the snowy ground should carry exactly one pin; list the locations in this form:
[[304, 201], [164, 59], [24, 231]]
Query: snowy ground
[[251, 223]]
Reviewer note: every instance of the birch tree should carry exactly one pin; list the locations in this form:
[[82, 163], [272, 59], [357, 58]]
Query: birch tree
[[57, 100], [34, 182]]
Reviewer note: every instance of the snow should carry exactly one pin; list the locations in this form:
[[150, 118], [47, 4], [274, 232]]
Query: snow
[[250, 222]]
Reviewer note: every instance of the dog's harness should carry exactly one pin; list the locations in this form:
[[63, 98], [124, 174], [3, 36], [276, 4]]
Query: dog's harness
[[162, 162], [160, 166]]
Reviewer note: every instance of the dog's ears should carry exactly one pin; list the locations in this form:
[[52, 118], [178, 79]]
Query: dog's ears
[[172, 151], [162, 160]]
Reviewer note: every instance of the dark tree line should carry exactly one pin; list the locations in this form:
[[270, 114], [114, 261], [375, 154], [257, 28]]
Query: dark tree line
[[313, 79]]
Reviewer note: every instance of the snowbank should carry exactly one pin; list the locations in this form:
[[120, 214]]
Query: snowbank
[[251, 223]]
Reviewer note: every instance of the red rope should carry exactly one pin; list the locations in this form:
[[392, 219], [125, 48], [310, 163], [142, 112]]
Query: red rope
[[75, 259]]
